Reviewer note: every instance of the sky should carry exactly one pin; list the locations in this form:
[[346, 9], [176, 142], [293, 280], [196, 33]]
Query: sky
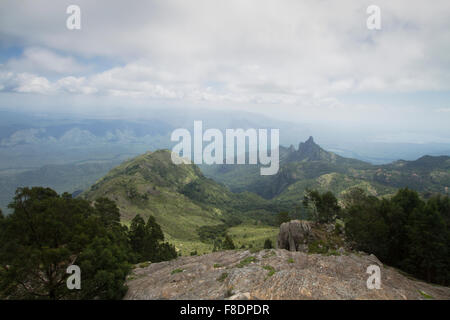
[[309, 61]]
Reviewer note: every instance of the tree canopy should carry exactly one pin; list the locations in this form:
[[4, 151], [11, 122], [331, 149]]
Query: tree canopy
[[323, 207], [146, 240], [46, 233], [404, 231]]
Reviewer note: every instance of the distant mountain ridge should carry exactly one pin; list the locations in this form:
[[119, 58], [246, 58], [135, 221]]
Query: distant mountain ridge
[[310, 151], [61, 178], [310, 166]]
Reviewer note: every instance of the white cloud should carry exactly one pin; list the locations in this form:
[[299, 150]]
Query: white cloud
[[74, 85], [25, 83], [296, 56], [39, 60]]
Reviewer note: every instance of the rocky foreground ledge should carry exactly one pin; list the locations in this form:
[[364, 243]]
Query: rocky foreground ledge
[[273, 274]]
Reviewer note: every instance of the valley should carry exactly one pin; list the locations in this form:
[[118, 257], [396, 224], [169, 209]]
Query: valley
[[185, 198]]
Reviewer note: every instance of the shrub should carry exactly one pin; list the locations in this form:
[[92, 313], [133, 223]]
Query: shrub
[[222, 277], [176, 271], [144, 264], [318, 247], [246, 261], [270, 269], [268, 244], [228, 243]]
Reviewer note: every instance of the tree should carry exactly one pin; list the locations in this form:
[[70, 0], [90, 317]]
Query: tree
[[428, 251], [366, 229], [397, 214], [217, 245], [405, 232], [108, 212], [228, 243], [137, 236], [323, 208], [104, 265], [45, 234], [154, 230], [166, 251], [268, 244], [146, 240], [283, 217], [408, 200], [355, 196]]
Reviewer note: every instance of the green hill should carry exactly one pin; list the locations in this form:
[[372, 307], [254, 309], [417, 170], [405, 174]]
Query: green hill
[[180, 197]]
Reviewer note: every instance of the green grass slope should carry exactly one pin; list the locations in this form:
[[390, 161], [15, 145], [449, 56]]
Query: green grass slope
[[180, 197], [150, 184]]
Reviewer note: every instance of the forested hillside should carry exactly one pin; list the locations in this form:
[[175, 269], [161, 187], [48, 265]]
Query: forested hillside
[[180, 197], [312, 167]]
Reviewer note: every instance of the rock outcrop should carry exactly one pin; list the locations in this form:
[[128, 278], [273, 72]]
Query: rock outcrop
[[294, 235], [274, 274]]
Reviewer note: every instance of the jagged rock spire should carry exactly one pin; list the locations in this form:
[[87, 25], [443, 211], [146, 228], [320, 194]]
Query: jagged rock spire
[[309, 150], [307, 147]]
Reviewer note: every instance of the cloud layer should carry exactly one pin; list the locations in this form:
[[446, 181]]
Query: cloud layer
[[294, 56]]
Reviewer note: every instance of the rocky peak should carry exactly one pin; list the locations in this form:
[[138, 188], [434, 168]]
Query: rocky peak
[[308, 146], [309, 150]]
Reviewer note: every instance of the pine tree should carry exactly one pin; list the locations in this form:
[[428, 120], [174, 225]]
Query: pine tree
[[108, 212], [45, 234], [228, 243], [146, 241]]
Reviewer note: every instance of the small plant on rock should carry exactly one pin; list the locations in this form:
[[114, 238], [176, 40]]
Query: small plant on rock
[[177, 271]]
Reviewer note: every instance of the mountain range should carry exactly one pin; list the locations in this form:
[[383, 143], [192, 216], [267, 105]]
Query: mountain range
[[186, 198], [310, 166]]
